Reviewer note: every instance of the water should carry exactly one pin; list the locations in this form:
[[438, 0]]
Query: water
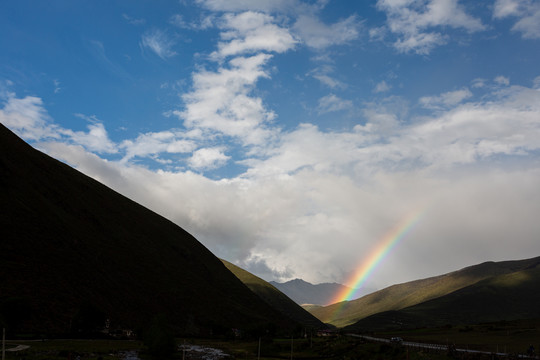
[[130, 355], [193, 352], [202, 353]]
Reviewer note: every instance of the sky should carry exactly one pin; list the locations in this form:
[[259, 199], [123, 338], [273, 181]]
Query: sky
[[290, 137]]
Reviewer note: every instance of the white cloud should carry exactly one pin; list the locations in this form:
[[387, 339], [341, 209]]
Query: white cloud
[[318, 35], [502, 80], [97, 50], [27, 117], [133, 21], [445, 100], [159, 42], [96, 139], [251, 32], [504, 8], [377, 33], [323, 74], [249, 5], [382, 87], [221, 101], [208, 158], [203, 23], [478, 83], [331, 103], [527, 12], [414, 22], [178, 20], [155, 143], [57, 87], [536, 82]]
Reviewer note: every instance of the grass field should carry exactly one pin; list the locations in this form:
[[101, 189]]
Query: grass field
[[271, 349], [70, 349], [342, 347], [508, 337]]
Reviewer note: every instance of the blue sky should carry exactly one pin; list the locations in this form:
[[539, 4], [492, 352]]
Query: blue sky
[[290, 136]]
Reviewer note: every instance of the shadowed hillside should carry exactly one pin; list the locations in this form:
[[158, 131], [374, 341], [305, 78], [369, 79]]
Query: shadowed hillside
[[412, 293], [274, 297], [74, 253]]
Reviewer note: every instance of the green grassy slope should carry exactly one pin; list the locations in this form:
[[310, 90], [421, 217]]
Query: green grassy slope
[[504, 297], [73, 252], [274, 297], [401, 296]]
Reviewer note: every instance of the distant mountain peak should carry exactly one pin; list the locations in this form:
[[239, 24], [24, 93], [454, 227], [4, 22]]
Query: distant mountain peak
[[303, 292]]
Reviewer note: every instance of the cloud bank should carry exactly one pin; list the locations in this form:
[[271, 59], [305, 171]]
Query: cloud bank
[[300, 209]]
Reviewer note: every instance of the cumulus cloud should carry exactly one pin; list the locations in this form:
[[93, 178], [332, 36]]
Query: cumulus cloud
[[30, 120], [27, 117], [208, 158], [251, 32], [527, 13], [252, 26], [319, 35], [155, 143], [96, 139], [158, 42], [220, 101], [416, 22], [502, 80]]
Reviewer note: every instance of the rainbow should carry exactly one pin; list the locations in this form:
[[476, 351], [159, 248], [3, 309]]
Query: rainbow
[[384, 246]]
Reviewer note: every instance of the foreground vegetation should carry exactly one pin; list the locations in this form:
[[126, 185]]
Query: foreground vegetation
[[320, 348], [508, 337], [513, 337], [71, 349]]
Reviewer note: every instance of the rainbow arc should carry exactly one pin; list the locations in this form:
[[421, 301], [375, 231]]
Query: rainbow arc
[[376, 256]]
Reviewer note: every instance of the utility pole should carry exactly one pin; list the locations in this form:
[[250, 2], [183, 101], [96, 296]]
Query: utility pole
[[4, 344], [184, 350], [292, 337], [259, 351]]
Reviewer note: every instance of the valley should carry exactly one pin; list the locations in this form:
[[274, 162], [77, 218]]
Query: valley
[[79, 261]]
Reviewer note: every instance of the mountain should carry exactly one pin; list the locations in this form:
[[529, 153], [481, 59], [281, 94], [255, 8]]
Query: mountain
[[485, 292], [303, 292], [74, 253], [274, 297], [506, 297]]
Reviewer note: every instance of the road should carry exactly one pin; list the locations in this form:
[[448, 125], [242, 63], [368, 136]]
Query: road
[[437, 347]]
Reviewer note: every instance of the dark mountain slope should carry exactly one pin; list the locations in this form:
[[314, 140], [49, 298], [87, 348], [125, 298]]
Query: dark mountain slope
[[73, 250], [400, 296], [274, 297], [512, 296]]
